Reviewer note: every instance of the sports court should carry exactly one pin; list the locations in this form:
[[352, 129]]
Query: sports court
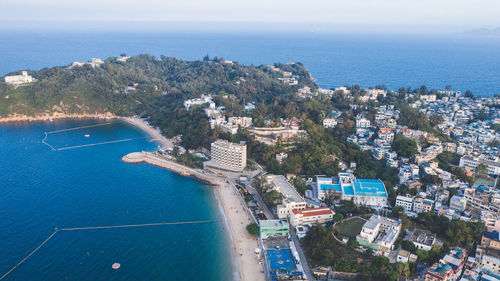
[[280, 259]]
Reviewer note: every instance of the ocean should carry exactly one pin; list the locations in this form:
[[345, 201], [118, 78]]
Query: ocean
[[41, 189], [334, 59]]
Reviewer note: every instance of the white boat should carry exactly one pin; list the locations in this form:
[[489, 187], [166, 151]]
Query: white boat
[[87, 135]]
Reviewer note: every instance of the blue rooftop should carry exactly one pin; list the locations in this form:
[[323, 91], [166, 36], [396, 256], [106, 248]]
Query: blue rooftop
[[348, 190], [369, 187], [331, 187], [493, 235], [359, 187]]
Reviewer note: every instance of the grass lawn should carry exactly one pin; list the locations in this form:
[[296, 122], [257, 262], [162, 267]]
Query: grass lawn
[[350, 227]]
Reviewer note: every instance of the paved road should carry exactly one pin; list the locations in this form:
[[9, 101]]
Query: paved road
[[302, 256], [259, 200]]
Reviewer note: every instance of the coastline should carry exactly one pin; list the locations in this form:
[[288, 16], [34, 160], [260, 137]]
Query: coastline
[[145, 127], [55, 116], [234, 211], [137, 122], [236, 216]]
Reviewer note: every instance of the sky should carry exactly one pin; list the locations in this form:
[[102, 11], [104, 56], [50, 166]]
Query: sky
[[381, 14]]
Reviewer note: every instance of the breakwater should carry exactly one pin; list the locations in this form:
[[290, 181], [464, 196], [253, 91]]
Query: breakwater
[[153, 159]]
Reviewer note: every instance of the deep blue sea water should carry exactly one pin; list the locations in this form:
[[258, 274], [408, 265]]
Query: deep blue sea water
[[41, 189], [334, 59]]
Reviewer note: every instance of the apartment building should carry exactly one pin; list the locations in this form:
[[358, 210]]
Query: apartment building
[[471, 162], [229, 155], [405, 202]]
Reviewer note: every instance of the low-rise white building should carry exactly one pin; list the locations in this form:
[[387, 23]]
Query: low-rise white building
[[198, 101], [16, 80], [379, 233], [458, 203], [472, 162], [405, 202], [292, 200], [244, 122], [423, 240], [311, 216], [329, 122], [281, 156], [362, 122]]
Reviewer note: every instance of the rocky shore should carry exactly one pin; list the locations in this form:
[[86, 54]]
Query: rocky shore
[[54, 116]]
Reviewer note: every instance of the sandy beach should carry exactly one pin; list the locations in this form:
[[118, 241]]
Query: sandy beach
[[235, 212], [154, 133], [236, 215]]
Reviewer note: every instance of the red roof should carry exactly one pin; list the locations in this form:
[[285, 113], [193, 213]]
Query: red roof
[[313, 211]]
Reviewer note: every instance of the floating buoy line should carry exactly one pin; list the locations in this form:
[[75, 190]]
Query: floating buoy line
[[117, 265], [44, 141]]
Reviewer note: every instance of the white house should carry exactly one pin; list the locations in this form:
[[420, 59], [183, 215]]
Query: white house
[[311, 216], [329, 122], [405, 202], [362, 122], [379, 233], [24, 78]]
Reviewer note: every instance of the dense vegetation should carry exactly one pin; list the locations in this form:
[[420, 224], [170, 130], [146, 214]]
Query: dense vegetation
[[322, 248], [161, 86]]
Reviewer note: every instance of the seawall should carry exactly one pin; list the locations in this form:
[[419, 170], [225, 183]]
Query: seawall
[[152, 159]]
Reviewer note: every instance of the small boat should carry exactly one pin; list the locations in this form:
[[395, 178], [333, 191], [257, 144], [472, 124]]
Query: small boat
[[115, 265], [87, 135]]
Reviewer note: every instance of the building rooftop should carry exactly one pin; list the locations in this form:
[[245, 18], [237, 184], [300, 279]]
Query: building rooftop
[[423, 237], [376, 219], [273, 223], [369, 187], [313, 212], [351, 186], [286, 189], [492, 234], [440, 269]]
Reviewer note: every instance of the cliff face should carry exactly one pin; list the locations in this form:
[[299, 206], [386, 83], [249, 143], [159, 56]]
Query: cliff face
[[142, 85]]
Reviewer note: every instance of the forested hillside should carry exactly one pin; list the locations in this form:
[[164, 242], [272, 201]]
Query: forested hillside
[[159, 82]]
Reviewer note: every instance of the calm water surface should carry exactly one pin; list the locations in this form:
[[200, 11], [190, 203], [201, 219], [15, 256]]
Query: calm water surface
[[41, 189], [334, 59]]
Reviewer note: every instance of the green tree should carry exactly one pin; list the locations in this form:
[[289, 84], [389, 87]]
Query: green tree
[[482, 169], [409, 246], [253, 228], [352, 243], [404, 146], [318, 245]]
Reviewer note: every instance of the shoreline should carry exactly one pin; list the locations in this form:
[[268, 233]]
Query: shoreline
[[236, 217], [139, 123], [235, 213], [145, 127], [55, 116]]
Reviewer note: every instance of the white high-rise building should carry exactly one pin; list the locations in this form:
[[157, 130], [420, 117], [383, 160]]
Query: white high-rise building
[[230, 155]]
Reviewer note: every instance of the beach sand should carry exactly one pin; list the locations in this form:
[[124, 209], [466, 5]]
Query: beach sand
[[234, 210], [154, 133], [236, 215], [244, 244]]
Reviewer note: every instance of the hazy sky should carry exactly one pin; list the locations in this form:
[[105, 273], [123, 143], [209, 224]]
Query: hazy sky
[[463, 13]]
